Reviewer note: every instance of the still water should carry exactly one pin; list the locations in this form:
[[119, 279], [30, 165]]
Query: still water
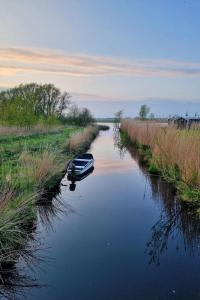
[[117, 234]]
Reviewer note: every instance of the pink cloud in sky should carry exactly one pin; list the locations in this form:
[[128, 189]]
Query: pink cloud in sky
[[26, 60]]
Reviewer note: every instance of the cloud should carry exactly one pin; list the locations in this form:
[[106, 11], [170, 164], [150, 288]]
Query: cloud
[[99, 98], [15, 60]]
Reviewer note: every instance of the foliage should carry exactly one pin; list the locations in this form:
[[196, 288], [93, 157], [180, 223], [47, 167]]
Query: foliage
[[28, 104], [79, 117]]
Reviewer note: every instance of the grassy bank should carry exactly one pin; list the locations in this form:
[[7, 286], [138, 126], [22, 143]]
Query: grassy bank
[[175, 154], [32, 163]]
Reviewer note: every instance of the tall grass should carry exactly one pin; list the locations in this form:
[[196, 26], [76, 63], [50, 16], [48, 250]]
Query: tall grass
[[176, 153], [38, 169], [81, 140], [18, 195], [21, 131], [16, 220]]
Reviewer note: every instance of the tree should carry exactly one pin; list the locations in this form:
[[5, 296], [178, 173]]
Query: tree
[[63, 104], [81, 117], [26, 104], [52, 95], [85, 117], [117, 118], [29, 104], [144, 110], [73, 113]]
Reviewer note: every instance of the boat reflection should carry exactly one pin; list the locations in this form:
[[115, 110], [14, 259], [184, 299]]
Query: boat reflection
[[74, 178]]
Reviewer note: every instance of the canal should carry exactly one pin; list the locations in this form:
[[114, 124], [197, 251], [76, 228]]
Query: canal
[[120, 234]]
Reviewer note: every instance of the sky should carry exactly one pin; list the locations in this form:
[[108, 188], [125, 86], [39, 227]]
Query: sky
[[108, 54]]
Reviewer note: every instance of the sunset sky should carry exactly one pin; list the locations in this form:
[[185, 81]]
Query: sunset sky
[[107, 54]]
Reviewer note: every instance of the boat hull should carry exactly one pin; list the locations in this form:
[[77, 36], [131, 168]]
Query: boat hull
[[77, 171], [79, 177]]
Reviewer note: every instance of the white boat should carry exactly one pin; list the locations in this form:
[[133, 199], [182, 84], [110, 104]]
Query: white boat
[[80, 164]]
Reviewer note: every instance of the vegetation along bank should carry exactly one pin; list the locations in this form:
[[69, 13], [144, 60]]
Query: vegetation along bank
[[172, 152], [40, 131]]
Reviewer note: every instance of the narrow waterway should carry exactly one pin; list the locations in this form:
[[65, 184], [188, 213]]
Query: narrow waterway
[[117, 234]]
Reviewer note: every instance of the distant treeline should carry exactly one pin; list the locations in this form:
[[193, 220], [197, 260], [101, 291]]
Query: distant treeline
[[29, 104]]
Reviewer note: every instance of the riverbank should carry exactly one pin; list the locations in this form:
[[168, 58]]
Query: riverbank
[[32, 164], [172, 153]]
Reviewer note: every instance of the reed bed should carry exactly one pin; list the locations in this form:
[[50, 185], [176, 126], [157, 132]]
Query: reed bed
[[80, 141], [23, 131], [176, 153]]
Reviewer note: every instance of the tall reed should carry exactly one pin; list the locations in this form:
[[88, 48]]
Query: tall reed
[[176, 153], [81, 140], [19, 131]]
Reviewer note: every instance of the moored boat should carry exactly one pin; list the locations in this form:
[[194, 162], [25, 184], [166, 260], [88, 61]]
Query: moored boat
[[80, 164]]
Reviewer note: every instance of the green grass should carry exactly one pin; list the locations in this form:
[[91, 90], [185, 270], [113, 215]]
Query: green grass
[[11, 149]]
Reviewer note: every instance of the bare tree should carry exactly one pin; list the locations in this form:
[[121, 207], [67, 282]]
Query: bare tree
[[64, 103]]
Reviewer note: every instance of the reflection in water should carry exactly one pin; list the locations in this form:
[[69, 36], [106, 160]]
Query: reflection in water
[[14, 279], [106, 167], [177, 221], [107, 164], [50, 207], [118, 145], [15, 282], [18, 275], [74, 178], [72, 186]]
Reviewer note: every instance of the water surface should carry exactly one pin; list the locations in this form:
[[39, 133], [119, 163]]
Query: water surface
[[121, 234]]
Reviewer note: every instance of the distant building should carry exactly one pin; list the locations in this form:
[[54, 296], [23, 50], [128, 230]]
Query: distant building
[[183, 123]]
